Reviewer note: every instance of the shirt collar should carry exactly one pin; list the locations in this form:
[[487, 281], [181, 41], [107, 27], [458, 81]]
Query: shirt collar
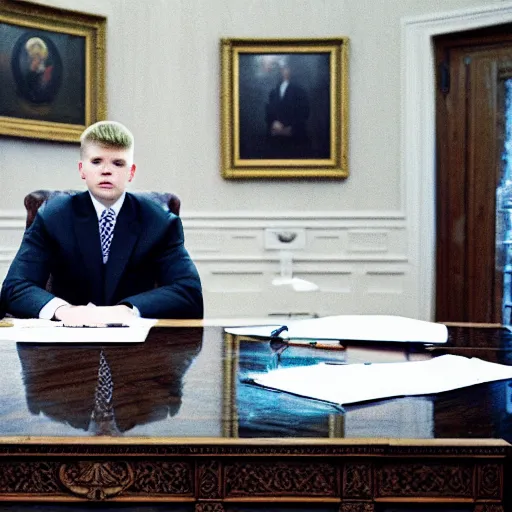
[[100, 207]]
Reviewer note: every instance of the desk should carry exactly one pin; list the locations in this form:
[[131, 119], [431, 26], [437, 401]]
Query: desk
[[172, 428]]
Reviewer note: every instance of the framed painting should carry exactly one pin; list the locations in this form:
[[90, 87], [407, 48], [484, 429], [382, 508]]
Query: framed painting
[[52, 71], [284, 108]]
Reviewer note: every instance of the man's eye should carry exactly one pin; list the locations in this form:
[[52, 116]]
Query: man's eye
[[119, 164], [96, 161]]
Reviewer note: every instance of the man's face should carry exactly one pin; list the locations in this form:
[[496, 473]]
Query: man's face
[[106, 171]]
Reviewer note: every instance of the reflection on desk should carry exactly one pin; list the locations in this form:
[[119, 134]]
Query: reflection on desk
[[187, 382], [108, 390], [265, 413]]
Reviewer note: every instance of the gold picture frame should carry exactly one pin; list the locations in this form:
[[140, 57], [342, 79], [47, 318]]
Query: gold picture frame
[[299, 130], [52, 71]]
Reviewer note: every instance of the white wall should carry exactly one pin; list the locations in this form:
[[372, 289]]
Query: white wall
[[163, 76]]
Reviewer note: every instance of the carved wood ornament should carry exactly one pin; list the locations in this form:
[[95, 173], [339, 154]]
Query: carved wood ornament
[[96, 480]]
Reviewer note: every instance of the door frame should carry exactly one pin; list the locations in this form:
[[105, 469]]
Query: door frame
[[418, 164]]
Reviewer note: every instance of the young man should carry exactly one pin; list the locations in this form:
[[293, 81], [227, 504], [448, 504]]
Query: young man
[[111, 255]]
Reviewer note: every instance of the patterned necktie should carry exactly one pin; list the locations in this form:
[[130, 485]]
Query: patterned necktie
[[107, 223], [103, 421]]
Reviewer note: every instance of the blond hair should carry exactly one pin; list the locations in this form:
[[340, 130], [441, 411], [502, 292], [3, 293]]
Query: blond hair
[[107, 133]]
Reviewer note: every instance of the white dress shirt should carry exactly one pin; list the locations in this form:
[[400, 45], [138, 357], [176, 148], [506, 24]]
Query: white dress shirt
[[283, 87], [48, 310]]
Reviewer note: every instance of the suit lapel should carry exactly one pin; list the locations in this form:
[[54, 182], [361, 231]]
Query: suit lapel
[[126, 234], [85, 223]]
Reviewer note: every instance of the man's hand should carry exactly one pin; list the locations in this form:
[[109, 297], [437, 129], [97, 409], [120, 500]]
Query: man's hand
[[276, 128], [279, 128], [94, 316]]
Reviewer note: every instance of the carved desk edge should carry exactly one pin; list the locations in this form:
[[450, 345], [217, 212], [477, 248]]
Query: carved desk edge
[[355, 474], [208, 446]]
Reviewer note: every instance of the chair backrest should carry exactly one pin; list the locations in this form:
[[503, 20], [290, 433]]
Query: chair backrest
[[35, 199]]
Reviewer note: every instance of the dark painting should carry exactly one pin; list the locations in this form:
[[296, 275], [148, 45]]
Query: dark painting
[[284, 106], [42, 75]]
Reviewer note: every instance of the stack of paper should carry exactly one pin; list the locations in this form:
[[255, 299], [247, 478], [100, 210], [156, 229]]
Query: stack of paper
[[350, 383], [354, 327], [46, 331]]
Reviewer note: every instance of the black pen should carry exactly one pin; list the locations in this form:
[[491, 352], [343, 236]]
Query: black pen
[[94, 326], [276, 332]]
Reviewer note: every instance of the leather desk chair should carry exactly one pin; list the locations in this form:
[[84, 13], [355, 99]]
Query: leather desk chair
[[35, 199]]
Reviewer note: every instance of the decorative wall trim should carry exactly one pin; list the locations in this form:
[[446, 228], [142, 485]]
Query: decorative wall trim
[[6, 255], [418, 134], [285, 222], [294, 215], [14, 219], [20, 214], [358, 265], [13, 214], [300, 258]]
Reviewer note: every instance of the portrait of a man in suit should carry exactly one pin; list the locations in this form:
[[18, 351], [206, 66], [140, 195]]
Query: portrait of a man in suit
[[287, 113], [284, 103]]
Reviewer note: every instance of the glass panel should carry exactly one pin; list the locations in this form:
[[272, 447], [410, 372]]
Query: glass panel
[[504, 210]]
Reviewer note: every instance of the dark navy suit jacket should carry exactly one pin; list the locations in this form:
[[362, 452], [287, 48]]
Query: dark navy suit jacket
[[291, 110], [148, 265]]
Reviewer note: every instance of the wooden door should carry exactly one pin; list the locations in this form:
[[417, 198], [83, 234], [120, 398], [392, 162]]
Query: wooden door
[[471, 73]]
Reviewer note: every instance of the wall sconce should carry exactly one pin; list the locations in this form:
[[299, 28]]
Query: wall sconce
[[287, 240]]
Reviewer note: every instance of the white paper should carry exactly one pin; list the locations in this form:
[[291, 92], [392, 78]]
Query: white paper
[[350, 383], [354, 327], [45, 331]]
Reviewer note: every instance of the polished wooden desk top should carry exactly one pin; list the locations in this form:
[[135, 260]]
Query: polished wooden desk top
[[184, 382]]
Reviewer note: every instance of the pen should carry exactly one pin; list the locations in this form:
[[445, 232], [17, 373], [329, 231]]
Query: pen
[[99, 326], [325, 346], [315, 344], [344, 362], [276, 332]]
